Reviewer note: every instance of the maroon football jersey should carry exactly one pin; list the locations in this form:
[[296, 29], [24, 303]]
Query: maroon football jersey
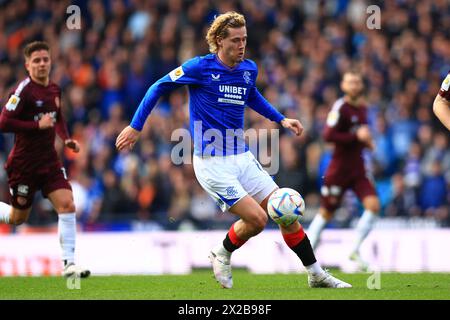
[[444, 91], [33, 148], [342, 122]]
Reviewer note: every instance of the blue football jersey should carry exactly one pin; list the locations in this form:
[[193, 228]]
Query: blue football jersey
[[218, 96]]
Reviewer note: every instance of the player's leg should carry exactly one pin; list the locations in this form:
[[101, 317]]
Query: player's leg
[[13, 216], [260, 186], [366, 193], [331, 196], [366, 222], [252, 221], [297, 240], [58, 190], [218, 177], [5, 212], [22, 195]]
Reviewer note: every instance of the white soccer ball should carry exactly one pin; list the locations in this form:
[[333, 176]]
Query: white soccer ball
[[285, 206]]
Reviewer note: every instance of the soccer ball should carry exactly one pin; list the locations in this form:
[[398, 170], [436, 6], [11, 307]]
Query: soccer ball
[[285, 206]]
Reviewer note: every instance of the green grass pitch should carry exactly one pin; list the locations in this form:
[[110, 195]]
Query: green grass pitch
[[201, 285]]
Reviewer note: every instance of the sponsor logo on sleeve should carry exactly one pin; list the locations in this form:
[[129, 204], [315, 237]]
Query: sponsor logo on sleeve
[[12, 103], [446, 83], [176, 73], [332, 118]]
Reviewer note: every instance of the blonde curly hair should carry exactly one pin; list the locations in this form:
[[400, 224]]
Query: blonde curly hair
[[219, 28]]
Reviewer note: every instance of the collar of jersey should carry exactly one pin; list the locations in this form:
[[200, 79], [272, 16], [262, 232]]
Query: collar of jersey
[[224, 65]]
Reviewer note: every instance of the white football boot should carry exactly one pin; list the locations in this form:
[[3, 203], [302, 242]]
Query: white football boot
[[222, 269], [326, 280], [71, 270]]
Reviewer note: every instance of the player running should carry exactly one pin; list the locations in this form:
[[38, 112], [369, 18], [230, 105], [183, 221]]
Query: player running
[[33, 113], [347, 128], [220, 85]]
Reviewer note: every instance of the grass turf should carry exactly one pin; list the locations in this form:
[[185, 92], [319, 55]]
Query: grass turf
[[201, 285]]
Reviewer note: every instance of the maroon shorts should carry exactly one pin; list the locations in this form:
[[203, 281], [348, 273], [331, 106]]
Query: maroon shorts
[[334, 187], [23, 185]]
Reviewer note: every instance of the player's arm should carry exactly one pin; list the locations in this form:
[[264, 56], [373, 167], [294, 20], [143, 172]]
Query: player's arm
[[441, 104], [332, 134], [441, 108], [331, 131], [129, 136], [257, 102], [10, 117], [185, 74], [63, 133]]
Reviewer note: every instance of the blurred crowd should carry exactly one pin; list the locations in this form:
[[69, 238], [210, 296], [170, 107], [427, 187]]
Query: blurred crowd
[[302, 49]]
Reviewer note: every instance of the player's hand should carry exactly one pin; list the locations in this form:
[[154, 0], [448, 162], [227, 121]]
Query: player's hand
[[127, 138], [292, 124], [46, 121], [363, 134], [72, 144]]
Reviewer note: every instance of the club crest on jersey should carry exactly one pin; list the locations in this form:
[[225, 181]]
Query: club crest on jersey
[[39, 103], [354, 119], [215, 77], [247, 77]]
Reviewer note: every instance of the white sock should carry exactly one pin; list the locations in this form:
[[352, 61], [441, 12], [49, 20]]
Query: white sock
[[67, 229], [315, 229], [5, 212], [314, 269], [365, 224]]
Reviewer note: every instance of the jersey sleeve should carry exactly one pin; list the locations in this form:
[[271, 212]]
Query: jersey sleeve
[[10, 116], [61, 125], [444, 91], [331, 131], [257, 102], [186, 74]]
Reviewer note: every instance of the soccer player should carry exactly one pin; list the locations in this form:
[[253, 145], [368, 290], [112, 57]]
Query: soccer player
[[33, 113], [441, 104], [347, 128], [220, 85]]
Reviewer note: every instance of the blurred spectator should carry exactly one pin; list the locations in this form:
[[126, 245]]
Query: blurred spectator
[[291, 173], [405, 202], [433, 193], [203, 210], [384, 158]]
